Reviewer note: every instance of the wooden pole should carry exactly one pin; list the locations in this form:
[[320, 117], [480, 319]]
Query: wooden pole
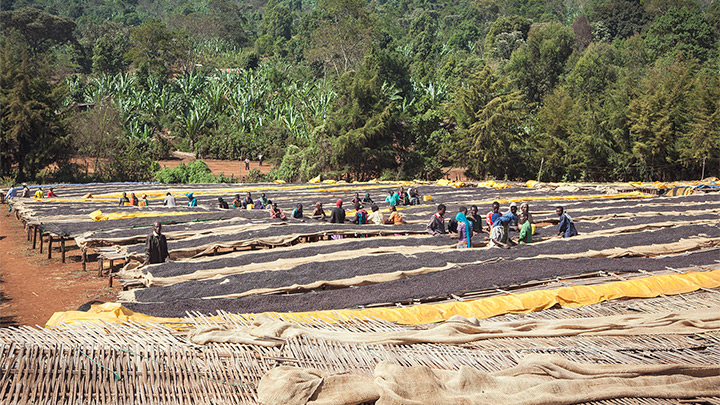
[[540, 171], [62, 248], [703, 171], [100, 266], [41, 242], [84, 260], [50, 238], [35, 232]]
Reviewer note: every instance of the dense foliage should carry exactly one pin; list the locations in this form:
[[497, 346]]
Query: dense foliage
[[560, 90]]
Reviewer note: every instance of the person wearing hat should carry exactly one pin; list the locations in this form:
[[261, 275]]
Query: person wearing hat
[[337, 215], [297, 213], [192, 201], [319, 212], [25, 191], [512, 215], [156, 250], [222, 204], [144, 200]]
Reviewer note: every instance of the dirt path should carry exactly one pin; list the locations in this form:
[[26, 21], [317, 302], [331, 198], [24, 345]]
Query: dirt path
[[32, 288]]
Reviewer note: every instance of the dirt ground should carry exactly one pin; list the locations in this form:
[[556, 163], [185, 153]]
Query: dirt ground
[[226, 167], [32, 287]]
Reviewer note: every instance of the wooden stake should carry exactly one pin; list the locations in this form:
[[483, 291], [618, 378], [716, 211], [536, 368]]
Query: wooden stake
[[50, 238], [62, 248], [35, 232], [41, 242], [540, 171], [84, 260], [703, 171], [100, 266]]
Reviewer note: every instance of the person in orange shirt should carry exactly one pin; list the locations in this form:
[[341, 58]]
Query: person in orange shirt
[[395, 217]]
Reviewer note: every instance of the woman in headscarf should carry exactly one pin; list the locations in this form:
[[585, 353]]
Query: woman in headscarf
[[367, 200], [464, 228], [337, 215]]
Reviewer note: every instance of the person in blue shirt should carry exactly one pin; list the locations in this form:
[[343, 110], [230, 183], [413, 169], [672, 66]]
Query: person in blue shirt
[[566, 227], [297, 213], [192, 201], [393, 199]]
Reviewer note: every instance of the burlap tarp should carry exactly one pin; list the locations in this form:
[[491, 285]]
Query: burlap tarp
[[536, 380], [267, 331]]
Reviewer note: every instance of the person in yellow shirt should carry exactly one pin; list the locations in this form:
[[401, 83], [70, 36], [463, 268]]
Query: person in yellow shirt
[[39, 194], [395, 217]]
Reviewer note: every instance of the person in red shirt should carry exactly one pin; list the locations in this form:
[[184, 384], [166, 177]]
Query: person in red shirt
[[51, 193]]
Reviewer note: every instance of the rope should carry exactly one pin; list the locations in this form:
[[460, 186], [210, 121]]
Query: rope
[[117, 376]]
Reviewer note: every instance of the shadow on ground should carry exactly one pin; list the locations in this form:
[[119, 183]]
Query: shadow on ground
[[6, 321]]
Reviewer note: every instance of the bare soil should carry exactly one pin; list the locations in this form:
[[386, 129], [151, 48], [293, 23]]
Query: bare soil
[[32, 287], [226, 167]]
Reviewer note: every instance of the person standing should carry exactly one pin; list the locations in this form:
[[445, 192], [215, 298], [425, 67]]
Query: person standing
[[25, 191], [247, 164], [337, 215], [156, 250], [39, 194], [51, 193], [133, 199], [169, 200], [124, 200], [437, 222], [260, 159]]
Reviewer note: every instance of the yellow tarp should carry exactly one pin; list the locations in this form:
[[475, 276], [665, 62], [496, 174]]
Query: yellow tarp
[[108, 312], [577, 296], [450, 183], [661, 185], [99, 216], [316, 180], [494, 184]]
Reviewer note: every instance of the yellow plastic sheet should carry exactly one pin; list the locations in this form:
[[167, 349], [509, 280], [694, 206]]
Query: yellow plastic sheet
[[530, 301], [316, 180], [494, 184], [111, 312], [576, 296], [661, 185], [99, 216]]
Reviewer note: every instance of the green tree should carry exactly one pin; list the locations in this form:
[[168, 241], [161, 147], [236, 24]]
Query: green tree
[[621, 18], [490, 139], [343, 35], [156, 49], [702, 143], [658, 117], [32, 133], [681, 29], [39, 29], [537, 65], [109, 54]]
